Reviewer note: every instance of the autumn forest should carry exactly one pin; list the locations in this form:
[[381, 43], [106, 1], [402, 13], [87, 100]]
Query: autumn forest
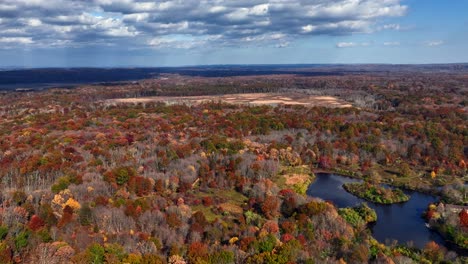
[[190, 169]]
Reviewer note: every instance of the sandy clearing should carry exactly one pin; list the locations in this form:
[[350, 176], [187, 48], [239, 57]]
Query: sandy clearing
[[231, 208], [293, 179], [251, 98]]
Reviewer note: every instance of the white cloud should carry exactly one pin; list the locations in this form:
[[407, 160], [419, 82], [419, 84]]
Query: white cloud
[[259, 10], [282, 44], [140, 22], [19, 40], [396, 27], [217, 9], [346, 44], [34, 22], [138, 17], [176, 42], [434, 43], [308, 28], [352, 44], [392, 43]]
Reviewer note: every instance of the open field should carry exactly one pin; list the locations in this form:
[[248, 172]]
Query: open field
[[248, 98]]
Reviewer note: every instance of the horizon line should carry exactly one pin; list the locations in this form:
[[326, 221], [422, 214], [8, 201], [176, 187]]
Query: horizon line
[[235, 64]]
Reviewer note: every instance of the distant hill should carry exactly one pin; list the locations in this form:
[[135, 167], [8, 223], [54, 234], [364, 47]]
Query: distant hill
[[36, 79]]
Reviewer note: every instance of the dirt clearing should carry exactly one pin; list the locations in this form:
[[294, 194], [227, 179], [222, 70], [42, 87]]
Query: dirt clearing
[[294, 179], [250, 98]]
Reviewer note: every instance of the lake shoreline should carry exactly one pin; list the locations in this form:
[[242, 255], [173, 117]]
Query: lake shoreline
[[355, 175], [401, 222]]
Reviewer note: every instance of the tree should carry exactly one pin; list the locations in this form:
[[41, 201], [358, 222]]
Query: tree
[[270, 207], [433, 252], [375, 177], [405, 170], [197, 252], [67, 216], [36, 223], [85, 215], [464, 218]]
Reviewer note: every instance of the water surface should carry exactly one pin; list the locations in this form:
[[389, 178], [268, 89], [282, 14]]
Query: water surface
[[401, 222]]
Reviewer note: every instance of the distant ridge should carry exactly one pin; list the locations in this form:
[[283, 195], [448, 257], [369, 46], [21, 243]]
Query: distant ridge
[[40, 78]]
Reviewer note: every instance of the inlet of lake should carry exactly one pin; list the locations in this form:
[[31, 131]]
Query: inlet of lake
[[401, 221]]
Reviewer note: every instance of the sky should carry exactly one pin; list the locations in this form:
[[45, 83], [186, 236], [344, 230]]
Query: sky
[[144, 33]]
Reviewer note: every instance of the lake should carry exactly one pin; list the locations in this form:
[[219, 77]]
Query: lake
[[401, 222]]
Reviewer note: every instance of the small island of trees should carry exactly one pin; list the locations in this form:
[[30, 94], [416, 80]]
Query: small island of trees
[[376, 193]]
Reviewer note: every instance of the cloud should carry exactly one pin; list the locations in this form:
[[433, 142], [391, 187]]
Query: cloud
[[17, 40], [346, 44], [140, 23], [396, 27], [282, 44], [434, 43], [178, 42], [392, 43], [352, 44]]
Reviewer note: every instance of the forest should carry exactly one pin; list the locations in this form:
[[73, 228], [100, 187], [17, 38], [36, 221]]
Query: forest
[[86, 179]]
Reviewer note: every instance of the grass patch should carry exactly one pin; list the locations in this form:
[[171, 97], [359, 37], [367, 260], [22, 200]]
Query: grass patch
[[230, 196], [209, 214], [229, 200], [231, 208], [296, 177]]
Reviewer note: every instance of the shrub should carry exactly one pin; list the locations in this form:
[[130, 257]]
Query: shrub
[[67, 217], [197, 252], [270, 207], [151, 259], [3, 232], [286, 237], [61, 184], [271, 227], [19, 197], [96, 253], [252, 218], [289, 250], [140, 185], [47, 214], [44, 235], [246, 242], [351, 217], [115, 251], [120, 175], [85, 215], [313, 208], [207, 201], [433, 252], [267, 244], [173, 220], [21, 240], [367, 213], [101, 200], [72, 203], [133, 258], [5, 253], [222, 257], [288, 226]]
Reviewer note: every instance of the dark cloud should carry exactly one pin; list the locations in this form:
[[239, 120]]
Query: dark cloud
[[185, 23]]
